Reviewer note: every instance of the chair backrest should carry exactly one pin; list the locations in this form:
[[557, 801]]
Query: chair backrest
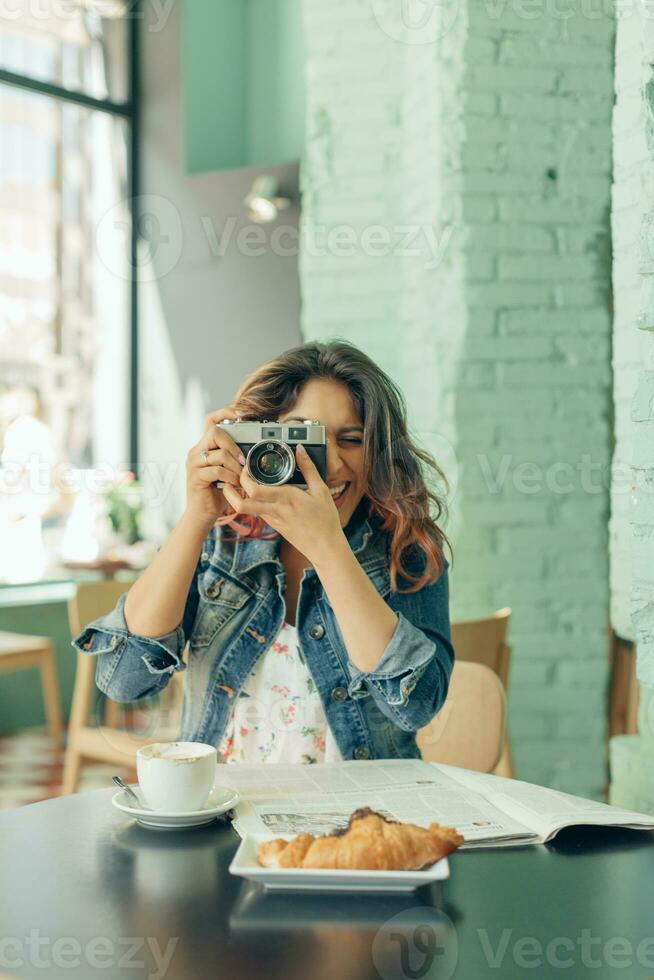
[[468, 731], [483, 641], [93, 599]]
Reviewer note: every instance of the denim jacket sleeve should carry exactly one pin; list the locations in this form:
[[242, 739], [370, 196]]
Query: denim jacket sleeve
[[129, 666], [411, 678]]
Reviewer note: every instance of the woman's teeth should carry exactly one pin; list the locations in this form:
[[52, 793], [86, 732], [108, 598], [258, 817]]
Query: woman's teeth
[[336, 492]]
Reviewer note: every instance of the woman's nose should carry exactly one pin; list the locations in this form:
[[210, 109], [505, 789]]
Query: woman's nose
[[333, 457]]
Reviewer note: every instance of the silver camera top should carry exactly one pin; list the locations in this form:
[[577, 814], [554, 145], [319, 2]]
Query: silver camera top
[[266, 421], [308, 431]]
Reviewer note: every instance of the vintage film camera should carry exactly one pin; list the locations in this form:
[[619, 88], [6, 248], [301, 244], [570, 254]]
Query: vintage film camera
[[269, 449]]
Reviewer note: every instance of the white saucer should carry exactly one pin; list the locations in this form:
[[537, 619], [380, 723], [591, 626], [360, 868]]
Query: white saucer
[[220, 800]]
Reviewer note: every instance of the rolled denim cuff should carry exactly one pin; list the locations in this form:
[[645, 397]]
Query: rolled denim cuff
[[110, 633], [400, 667]]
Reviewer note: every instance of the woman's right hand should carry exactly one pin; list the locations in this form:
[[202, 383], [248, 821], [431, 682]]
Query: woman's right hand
[[205, 502]]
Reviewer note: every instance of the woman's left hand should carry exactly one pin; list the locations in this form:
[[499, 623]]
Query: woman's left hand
[[308, 519]]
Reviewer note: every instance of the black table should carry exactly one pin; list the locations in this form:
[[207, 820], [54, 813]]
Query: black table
[[85, 892]]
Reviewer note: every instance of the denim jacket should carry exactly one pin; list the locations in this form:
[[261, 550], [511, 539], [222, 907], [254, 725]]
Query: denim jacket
[[233, 612]]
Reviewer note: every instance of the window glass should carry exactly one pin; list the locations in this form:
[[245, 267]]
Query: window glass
[[81, 45]]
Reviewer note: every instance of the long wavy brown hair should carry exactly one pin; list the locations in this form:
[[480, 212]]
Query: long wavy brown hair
[[394, 466]]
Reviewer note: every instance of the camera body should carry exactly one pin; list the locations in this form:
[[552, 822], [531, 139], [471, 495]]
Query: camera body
[[269, 449]]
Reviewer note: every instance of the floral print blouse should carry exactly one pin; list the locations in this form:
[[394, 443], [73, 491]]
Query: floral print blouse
[[278, 715]]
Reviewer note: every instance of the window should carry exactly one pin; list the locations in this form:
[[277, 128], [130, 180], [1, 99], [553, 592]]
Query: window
[[67, 295]]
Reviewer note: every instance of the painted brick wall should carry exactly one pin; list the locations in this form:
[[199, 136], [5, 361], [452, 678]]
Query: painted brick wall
[[536, 369], [630, 160], [632, 757], [496, 135]]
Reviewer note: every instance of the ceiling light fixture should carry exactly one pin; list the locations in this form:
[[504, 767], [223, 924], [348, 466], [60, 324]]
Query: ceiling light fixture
[[263, 203]]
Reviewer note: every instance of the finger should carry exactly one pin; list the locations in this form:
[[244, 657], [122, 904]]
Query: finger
[[217, 438], [259, 491], [246, 505], [218, 457], [308, 469], [219, 415], [226, 477], [214, 474]]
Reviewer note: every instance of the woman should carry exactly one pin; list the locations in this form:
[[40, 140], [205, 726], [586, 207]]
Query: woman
[[318, 621]]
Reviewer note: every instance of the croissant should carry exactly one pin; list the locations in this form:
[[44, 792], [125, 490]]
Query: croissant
[[369, 842]]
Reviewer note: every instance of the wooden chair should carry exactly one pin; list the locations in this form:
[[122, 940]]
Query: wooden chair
[[483, 641], [19, 651], [624, 689], [103, 743], [469, 729]]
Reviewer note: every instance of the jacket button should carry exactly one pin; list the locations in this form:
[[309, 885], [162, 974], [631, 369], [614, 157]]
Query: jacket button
[[317, 632], [362, 752], [339, 694]]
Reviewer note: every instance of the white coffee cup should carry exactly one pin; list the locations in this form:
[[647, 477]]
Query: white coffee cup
[[176, 776]]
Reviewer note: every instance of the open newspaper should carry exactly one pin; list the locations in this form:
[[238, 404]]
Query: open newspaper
[[489, 811]]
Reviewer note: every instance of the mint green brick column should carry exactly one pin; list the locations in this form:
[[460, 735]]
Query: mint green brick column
[[533, 396], [630, 160], [493, 131], [632, 757]]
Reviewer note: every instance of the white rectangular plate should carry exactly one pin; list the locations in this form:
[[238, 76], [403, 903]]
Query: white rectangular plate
[[245, 865]]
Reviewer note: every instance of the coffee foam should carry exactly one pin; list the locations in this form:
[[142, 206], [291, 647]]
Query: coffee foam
[[175, 752]]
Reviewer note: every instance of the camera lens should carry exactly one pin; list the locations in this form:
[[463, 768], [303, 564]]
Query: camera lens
[[271, 463]]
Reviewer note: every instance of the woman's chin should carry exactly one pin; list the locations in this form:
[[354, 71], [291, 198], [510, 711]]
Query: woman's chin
[[348, 508]]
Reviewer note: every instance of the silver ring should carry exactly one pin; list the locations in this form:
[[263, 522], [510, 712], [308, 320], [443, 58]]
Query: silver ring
[[204, 455]]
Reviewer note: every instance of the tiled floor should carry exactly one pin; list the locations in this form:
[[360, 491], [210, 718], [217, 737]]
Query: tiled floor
[[31, 769]]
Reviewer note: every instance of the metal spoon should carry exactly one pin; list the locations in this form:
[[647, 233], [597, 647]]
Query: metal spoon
[[128, 789]]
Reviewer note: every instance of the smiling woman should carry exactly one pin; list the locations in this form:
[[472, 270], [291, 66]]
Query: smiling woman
[[318, 619]]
